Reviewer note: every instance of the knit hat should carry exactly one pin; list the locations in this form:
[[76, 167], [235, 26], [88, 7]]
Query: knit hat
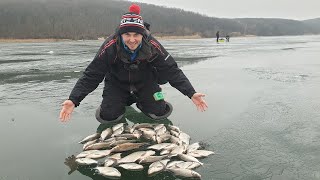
[[132, 21]]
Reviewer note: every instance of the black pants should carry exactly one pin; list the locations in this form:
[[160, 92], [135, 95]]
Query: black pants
[[116, 99]]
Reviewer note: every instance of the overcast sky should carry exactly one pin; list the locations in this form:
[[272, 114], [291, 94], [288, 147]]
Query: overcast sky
[[287, 9]]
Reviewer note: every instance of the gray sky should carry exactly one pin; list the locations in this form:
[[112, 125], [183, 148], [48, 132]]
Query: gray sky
[[287, 9]]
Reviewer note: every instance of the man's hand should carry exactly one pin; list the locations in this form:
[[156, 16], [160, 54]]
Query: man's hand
[[199, 102], [67, 109]]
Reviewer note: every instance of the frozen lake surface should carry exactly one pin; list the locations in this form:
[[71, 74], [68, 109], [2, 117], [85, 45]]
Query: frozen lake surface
[[263, 119]]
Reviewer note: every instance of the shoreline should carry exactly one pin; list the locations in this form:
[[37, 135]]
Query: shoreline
[[166, 37], [3, 40], [46, 40]]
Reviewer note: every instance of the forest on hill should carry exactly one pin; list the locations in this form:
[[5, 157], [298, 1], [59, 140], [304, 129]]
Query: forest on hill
[[82, 19]]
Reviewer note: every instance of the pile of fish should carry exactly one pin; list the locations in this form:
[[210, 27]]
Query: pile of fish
[[157, 147]]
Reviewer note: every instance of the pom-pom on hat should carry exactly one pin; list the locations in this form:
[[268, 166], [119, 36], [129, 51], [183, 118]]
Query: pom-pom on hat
[[132, 21], [134, 8]]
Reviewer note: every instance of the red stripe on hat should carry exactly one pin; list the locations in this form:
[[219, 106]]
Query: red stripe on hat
[[131, 16], [135, 25]]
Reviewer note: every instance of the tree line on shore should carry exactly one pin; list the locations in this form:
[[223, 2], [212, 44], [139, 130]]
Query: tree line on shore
[[82, 19]]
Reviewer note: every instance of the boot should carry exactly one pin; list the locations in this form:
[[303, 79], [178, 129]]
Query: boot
[[169, 109], [102, 121]]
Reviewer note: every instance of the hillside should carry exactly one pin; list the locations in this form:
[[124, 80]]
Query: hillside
[[81, 19], [313, 24]]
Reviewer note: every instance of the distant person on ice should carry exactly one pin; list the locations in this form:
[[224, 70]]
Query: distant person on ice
[[227, 37], [217, 36], [131, 65]]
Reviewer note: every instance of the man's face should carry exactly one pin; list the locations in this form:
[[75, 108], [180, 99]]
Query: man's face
[[132, 40]]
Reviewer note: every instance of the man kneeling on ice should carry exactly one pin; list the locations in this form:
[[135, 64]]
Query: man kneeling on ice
[[132, 65]]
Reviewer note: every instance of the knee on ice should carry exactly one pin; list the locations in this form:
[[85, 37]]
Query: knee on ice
[[106, 117]]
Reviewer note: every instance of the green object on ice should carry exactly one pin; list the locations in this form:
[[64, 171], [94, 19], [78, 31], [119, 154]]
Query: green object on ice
[[158, 96]]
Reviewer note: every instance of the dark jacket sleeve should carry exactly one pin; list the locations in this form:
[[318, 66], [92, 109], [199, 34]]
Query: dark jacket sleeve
[[91, 78], [169, 70]]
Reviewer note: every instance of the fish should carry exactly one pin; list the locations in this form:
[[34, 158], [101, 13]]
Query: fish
[[106, 133], [147, 153], [133, 147], [163, 137], [175, 140], [86, 161], [171, 147], [110, 162], [141, 125], [131, 166], [108, 172], [159, 147], [165, 152], [174, 133], [99, 145], [127, 129], [131, 157], [192, 147], [116, 156], [85, 145], [110, 139], [185, 138], [156, 127], [137, 133], [174, 128], [85, 153], [189, 158], [157, 167], [168, 149], [151, 159], [173, 164], [118, 142], [90, 138], [117, 126], [127, 147], [188, 165], [161, 130], [118, 131], [98, 154], [129, 136], [113, 139], [178, 150], [148, 133], [186, 173], [200, 153]]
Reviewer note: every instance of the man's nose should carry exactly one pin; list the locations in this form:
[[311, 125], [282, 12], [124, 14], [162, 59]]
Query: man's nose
[[131, 39]]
